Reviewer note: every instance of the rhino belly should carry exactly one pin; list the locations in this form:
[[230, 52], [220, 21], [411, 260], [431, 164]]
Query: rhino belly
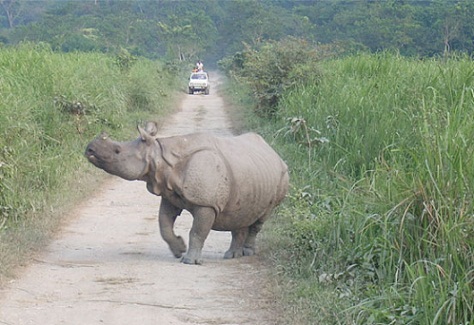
[[233, 221], [247, 206]]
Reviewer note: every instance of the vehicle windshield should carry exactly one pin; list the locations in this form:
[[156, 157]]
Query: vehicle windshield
[[199, 76]]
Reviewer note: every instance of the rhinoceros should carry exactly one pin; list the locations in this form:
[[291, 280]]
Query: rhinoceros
[[227, 183]]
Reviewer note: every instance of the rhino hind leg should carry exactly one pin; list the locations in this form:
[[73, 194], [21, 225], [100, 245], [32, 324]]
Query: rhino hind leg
[[236, 248], [254, 229]]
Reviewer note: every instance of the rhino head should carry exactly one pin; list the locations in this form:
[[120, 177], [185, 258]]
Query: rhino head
[[128, 160]]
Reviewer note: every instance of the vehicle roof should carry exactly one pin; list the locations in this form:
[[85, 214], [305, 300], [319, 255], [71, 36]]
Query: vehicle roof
[[199, 75]]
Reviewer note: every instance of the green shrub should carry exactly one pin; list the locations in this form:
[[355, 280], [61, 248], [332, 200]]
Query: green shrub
[[274, 67], [379, 218], [51, 105]]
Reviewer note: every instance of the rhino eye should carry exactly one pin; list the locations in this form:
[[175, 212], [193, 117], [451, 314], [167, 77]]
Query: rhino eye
[[117, 150]]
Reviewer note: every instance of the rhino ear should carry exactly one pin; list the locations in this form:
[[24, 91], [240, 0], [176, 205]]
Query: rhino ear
[[151, 128], [146, 136]]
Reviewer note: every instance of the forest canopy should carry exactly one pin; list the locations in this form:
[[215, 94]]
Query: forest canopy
[[213, 29]]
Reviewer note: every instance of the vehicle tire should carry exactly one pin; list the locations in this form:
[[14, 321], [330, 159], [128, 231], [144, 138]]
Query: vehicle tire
[[191, 92], [206, 91]]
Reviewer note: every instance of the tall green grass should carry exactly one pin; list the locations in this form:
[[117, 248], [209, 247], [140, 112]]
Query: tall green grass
[[51, 106], [380, 218]]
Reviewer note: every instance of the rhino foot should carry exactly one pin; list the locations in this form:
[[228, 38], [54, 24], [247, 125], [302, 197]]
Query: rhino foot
[[249, 251], [236, 253], [233, 254], [178, 247], [192, 261]]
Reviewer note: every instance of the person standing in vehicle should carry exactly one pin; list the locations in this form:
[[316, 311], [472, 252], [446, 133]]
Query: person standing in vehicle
[[200, 66]]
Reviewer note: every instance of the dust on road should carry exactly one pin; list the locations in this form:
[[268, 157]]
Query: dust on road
[[109, 265]]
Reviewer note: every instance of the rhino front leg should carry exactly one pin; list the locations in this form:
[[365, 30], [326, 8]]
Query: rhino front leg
[[166, 218], [203, 220], [236, 248]]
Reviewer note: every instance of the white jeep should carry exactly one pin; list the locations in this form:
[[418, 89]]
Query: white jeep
[[199, 81]]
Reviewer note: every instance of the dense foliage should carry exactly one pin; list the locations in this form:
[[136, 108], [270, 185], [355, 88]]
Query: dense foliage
[[51, 105], [212, 29], [275, 67], [378, 227]]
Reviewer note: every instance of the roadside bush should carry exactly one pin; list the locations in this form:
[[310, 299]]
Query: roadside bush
[[124, 60], [399, 156], [378, 226], [275, 67], [51, 106]]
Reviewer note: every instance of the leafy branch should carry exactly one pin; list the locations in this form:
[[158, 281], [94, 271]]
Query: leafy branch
[[298, 129]]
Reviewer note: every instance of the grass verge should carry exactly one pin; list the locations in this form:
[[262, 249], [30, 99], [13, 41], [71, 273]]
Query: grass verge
[[51, 106], [378, 225]]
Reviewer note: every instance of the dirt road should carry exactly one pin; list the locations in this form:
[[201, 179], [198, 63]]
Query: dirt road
[[109, 265]]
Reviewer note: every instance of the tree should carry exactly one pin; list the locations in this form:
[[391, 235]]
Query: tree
[[11, 8], [387, 25], [253, 22], [455, 25], [214, 29], [189, 37]]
